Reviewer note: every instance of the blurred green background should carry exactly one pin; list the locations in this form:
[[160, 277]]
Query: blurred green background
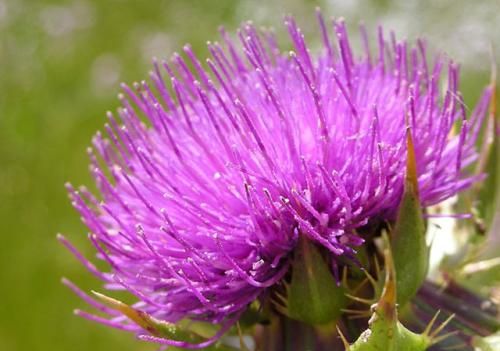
[[61, 63]]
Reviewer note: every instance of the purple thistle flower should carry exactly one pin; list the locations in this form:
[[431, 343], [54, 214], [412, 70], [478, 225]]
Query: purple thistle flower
[[208, 177]]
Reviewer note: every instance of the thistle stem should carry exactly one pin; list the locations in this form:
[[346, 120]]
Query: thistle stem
[[296, 336]]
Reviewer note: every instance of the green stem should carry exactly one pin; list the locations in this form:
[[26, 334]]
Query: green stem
[[309, 339], [288, 333], [297, 336]]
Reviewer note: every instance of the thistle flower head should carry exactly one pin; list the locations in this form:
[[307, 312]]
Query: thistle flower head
[[210, 173]]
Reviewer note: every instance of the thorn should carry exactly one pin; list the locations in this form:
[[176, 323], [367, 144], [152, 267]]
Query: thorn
[[377, 265], [281, 309], [370, 278], [359, 316], [243, 346], [411, 163], [356, 313], [344, 278], [444, 336], [431, 324], [361, 300], [442, 326], [280, 297], [344, 340]]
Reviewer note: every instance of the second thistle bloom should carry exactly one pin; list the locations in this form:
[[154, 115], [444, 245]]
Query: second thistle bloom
[[209, 175]]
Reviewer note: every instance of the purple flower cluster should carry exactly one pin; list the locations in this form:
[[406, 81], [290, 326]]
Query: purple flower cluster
[[208, 175]]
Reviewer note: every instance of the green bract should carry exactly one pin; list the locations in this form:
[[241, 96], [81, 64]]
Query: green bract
[[313, 296], [410, 250]]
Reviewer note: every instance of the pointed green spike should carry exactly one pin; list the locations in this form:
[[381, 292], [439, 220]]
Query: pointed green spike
[[410, 250], [141, 318], [313, 296], [182, 331], [489, 194]]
